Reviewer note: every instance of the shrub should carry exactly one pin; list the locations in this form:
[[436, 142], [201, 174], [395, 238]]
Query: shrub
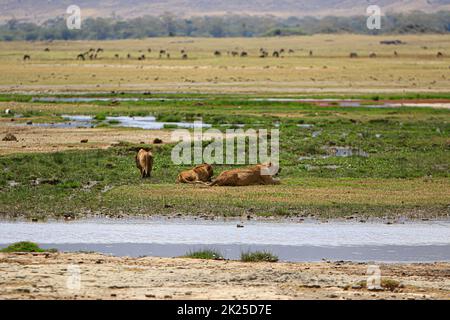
[[25, 246], [258, 256], [207, 254]]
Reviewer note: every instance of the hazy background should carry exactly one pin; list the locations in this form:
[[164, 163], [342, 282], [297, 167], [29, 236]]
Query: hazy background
[[123, 19], [41, 10]]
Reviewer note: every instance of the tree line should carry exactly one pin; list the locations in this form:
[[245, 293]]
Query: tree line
[[168, 25]]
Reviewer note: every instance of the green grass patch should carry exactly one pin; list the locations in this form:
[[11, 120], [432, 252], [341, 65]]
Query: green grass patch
[[258, 256], [25, 246], [206, 254]]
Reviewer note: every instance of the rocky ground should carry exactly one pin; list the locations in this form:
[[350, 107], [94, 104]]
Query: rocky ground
[[55, 276]]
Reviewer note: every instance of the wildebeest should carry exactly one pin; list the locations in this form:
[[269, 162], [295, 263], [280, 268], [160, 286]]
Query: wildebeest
[[373, 55], [395, 53], [353, 55], [234, 53], [144, 162], [26, 57], [184, 56], [81, 57], [47, 50], [142, 57], [275, 54], [99, 50], [217, 53], [117, 56], [291, 51], [439, 55], [244, 54], [391, 42], [310, 53], [129, 56]]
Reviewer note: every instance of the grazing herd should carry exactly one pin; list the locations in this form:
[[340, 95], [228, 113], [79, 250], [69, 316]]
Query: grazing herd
[[202, 174], [93, 54]]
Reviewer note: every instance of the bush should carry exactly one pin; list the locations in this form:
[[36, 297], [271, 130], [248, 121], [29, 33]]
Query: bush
[[100, 117], [25, 246], [207, 254], [258, 256]]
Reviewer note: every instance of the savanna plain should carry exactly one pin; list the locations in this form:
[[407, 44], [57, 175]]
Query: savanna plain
[[364, 136]]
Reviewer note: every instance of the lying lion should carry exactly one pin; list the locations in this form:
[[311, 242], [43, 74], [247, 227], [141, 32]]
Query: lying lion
[[256, 175], [201, 173], [144, 162]]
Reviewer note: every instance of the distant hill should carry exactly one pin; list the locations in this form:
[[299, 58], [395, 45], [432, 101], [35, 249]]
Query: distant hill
[[41, 10]]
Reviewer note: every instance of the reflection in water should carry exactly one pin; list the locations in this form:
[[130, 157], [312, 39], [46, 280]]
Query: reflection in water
[[149, 123]]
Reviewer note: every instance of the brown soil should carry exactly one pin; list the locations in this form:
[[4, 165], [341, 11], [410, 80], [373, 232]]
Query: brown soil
[[35, 139], [45, 276]]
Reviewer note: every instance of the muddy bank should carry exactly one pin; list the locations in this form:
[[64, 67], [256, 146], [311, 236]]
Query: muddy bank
[[54, 276]]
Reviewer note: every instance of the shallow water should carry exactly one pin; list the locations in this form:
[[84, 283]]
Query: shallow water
[[99, 99], [291, 241], [148, 123]]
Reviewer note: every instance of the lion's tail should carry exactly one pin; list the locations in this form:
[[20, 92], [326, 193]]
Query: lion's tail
[[212, 184]]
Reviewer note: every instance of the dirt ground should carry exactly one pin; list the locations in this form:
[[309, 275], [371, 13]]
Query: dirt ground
[[35, 139], [40, 139], [55, 276]]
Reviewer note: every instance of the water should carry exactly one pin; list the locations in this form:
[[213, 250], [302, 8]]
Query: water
[[291, 241], [99, 99], [148, 123]]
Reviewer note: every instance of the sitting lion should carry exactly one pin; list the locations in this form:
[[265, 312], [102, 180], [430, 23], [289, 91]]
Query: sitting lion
[[144, 162], [201, 173], [256, 175]]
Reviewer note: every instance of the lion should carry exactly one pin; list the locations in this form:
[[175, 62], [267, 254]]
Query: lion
[[144, 162], [200, 174], [261, 174]]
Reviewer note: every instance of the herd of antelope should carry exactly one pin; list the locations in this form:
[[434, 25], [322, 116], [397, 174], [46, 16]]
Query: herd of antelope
[[93, 54]]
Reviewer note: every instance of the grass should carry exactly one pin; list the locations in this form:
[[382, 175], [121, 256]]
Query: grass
[[328, 71], [258, 256], [25, 246], [206, 254], [406, 171]]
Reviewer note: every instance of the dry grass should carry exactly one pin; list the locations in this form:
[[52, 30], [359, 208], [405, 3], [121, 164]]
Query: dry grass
[[328, 70]]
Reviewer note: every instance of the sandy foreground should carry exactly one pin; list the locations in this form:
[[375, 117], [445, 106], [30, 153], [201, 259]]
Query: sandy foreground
[[96, 276]]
